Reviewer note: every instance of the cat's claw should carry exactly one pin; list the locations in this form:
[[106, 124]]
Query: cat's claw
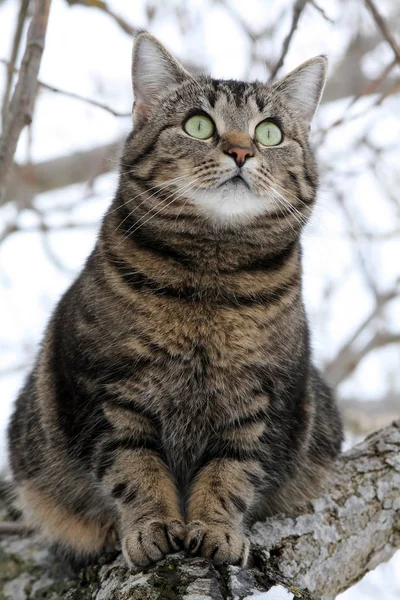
[[223, 544], [152, 540]]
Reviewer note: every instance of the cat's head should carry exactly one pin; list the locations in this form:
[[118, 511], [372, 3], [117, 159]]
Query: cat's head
[[227, 151]]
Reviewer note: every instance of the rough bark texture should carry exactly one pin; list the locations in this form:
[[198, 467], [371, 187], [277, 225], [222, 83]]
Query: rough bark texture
[[342, 535], [351, 529], [19, 111]]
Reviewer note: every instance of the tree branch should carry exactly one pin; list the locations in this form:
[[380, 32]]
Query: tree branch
[[56, 90], [23, 11], [19, 111], [30, 179], [297, 10], [351, 353], [348, 531], [103, 6], [384, 28], [363, 417], [351, 529]]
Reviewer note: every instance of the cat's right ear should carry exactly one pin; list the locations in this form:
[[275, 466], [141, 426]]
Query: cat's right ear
[[153, 70]]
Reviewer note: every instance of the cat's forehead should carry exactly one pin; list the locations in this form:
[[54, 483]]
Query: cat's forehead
[[233, 103]]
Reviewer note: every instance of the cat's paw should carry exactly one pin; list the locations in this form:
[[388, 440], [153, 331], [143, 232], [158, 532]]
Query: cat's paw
[[152, 540], [223, 544]]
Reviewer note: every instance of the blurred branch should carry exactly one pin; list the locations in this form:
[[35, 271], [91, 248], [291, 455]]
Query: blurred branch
[[321, 11], [384, 28], [370, 88], [351, 354], [17, 368], [347, 79], [57, 90], [355, 234], [30, 179], [346, 363], [15, 528], [105, 107], [46, 228], [23, 11], [103, 6], [364, 417], [19, 110], [297, 10]]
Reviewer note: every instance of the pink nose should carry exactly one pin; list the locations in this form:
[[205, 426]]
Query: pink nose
[[239, 154]]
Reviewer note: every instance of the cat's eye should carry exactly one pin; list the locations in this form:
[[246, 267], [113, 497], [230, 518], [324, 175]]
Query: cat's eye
[[268, 134], [200, 127]]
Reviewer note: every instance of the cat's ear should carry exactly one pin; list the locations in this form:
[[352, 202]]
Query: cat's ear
[[153, 70], [303, 87]]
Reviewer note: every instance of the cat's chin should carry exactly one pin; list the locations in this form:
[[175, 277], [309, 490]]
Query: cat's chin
[[233, 202]]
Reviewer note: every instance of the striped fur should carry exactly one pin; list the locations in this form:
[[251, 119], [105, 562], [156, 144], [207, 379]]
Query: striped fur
[[174, 400]]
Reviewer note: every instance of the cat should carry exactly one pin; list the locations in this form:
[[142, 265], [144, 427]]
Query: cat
[[174, 400]]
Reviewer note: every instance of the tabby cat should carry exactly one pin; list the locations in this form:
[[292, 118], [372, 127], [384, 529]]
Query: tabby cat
[[174, 400]]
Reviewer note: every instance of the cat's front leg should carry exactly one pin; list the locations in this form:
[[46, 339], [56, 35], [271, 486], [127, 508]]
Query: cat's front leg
[[135, 475], [221, 495]]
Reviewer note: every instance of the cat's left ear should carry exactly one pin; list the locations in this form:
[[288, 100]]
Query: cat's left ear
[[153, 70], [302, 88]]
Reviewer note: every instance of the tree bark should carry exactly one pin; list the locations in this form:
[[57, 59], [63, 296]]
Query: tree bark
[[18, 114], [341, 536]]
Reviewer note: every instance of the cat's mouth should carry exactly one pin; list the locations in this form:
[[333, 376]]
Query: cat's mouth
[[236, 180]]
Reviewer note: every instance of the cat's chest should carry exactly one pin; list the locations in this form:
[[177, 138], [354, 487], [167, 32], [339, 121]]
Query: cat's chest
[[203, 373], [203, 392], [202, 365], [207, 335]]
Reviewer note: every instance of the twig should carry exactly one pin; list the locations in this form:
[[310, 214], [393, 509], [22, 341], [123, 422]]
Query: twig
[[321, 11], [52, 88], [384, 28], [19, 111], [124, 25], [17, 368], [369, 280], [237, 17], [393, 89], [348, 356], [44, 228], [114, 112], [7, 231], [297, 10], [369, 89], [354, 356], [23, 11], [14, 528]]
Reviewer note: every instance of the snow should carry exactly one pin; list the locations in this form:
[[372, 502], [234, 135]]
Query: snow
[[277, 592]]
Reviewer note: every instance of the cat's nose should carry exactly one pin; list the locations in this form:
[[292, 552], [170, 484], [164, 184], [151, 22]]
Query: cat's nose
[[239, 154]]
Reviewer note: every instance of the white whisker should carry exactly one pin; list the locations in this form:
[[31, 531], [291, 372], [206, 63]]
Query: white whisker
[[158, 185], [174, 195], [152, 216], [159, 188]]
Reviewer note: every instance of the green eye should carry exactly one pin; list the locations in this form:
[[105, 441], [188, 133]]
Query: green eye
[[268, 134], [200, 127]]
